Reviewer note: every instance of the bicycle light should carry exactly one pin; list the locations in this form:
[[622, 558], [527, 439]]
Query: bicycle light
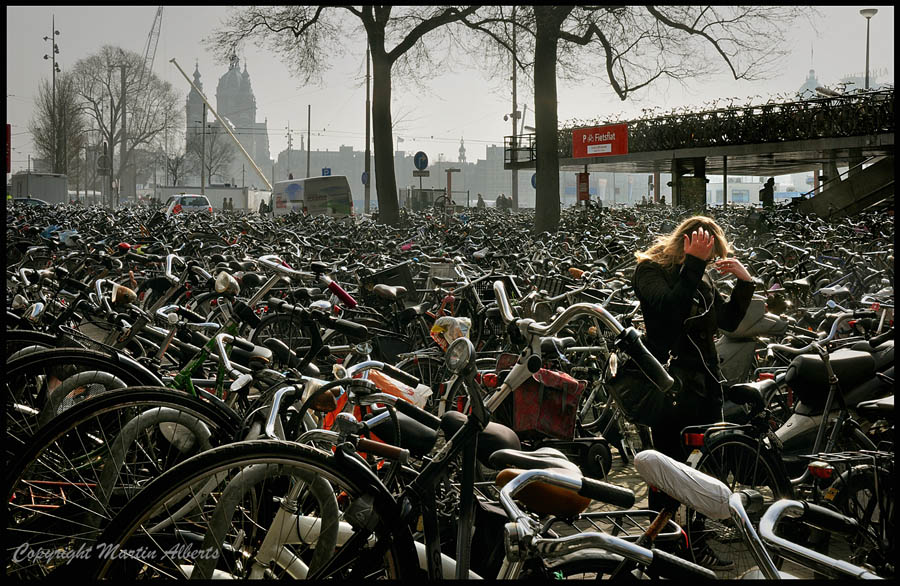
[[821, 470], [459, 355], [226, 284]]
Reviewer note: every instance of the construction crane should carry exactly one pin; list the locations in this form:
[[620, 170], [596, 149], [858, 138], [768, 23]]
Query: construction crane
[[150, 47]]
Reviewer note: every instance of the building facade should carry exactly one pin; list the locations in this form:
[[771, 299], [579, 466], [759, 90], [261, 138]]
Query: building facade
[[236, 104]]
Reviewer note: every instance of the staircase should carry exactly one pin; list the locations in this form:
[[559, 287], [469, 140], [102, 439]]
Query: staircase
[[854, 193]]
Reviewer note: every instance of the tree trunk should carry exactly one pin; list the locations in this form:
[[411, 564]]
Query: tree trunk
[[546, 217], [382, 138]]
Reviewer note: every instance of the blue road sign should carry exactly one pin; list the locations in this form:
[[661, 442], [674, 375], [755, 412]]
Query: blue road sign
[[420, 160], [534, 180], [365, 178], [326, 171]]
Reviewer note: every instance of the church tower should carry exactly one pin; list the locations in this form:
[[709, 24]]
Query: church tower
[[194, 107], [462, 151]]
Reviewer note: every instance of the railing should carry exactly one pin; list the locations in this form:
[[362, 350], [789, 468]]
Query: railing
[[858, 114]]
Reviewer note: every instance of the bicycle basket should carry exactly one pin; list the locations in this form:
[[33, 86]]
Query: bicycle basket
[[546, 405], [485, 288], [441, 270], [552, 285]]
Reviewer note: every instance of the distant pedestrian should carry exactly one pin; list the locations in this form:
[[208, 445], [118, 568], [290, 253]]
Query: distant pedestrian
[[767, 194], [480, 203]]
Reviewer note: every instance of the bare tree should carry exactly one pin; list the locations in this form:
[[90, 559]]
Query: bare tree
[[631, 47], [220, 150], [151, 105], [58, 126], [178, 165], [307, 37]]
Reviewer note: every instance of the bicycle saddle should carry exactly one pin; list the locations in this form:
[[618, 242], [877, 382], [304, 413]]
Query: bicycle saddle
[[752, 394], [540, 497], [552, 345], [410, 313], [806, 374], [877, 408], [441, 281], [251, 280], [389, 292], [415, 437], [798, 284], [495, 436]]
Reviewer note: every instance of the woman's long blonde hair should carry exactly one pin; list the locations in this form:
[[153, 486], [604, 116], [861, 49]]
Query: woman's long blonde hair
[[669, 250]]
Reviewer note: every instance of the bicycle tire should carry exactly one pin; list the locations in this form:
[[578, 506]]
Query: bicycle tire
[[854, 495], [281, 459], [737, 461], [82, 467], [431, 372], [28, 380]]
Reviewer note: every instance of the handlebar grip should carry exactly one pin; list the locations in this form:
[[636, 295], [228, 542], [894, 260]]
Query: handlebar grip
[[865, 313], [349, 328], [828, 520], [607, 493], [275, 304], [243, 344], [404, 377], [345, 297], [384, 450], [420, 415], [190, 315], [670, 566], [630, 341], [881, 338]]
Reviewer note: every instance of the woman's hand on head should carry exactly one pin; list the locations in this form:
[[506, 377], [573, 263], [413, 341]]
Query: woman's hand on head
[[699, 243], [734, 267]]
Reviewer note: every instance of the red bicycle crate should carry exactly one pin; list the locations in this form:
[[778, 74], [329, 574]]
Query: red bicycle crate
[[546, 405]]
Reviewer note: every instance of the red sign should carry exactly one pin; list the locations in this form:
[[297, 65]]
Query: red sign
[[583, 187], [600, 141]]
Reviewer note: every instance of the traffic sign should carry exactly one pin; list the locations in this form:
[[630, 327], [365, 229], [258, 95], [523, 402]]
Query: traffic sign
[[326, 171], [534, 180], [365, 178], [420, 160], [421, 173]]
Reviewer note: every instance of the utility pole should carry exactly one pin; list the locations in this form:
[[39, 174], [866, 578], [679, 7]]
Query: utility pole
[[366, 188], [54, 49], [123, 144], [308, 135], [515, 173], [203, 154]]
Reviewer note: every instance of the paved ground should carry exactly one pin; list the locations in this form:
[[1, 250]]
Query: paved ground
[[626, 475]]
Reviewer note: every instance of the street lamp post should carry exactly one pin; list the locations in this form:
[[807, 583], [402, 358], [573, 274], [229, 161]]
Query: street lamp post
[[868, 13], [52, 56]]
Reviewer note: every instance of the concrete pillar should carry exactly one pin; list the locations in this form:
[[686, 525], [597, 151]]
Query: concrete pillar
[[688, 191], [856, 161], [656, 187]]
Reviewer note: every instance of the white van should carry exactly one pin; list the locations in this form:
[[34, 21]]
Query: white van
[[329, 195]]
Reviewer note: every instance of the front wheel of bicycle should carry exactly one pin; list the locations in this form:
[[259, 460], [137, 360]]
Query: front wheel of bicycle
[[740, 463], [257, 509]]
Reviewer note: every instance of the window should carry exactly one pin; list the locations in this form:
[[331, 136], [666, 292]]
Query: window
[[740, 195]]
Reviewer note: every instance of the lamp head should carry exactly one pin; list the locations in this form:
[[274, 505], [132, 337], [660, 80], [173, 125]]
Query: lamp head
[[869, 12]]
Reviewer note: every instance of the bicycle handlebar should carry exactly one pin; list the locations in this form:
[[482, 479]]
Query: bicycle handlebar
[[838, 322], [276, 264], [815, 515], [556, 547]]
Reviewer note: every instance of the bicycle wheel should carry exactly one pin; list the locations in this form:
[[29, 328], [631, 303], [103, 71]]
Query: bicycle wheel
[[738, 462], [866, 493], [215, 515], [82, 467], [281, 326], [31, 378], [430, 371]]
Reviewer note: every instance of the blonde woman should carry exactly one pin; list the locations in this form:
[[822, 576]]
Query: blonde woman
[[682, 312]]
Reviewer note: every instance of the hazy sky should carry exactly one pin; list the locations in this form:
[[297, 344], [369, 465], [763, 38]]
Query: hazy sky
[[464, 104]]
